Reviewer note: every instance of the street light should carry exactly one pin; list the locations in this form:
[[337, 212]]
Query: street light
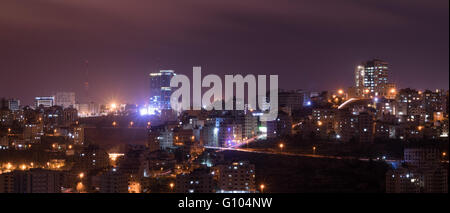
[[171, 185], [393, 91], [314, 150], [262, 186], [81, 175], [114, 124], [281, 147], [444, 154]]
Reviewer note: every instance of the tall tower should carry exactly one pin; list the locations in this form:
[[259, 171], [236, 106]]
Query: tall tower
[[371, 78], [160, 90], [86, 82]]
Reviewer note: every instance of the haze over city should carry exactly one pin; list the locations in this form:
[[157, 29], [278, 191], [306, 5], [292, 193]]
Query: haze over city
[[311, 45]]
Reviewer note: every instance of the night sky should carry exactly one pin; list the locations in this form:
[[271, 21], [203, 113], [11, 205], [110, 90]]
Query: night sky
[[310, 44]]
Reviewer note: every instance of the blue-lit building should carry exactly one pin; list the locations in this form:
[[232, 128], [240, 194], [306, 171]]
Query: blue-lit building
[[14, 105], [160, 90]]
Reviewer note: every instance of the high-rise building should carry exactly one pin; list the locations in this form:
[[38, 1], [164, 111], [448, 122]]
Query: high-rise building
[[291, 99], [13, 104], [45, 101], [33, 131], [366, 128], [88, 109], [422, 172], [282, 126], [434, 104], [408, 101], [230, 134], [237, 177], [200, 180], [31, 181], [113, 182], [160, 90], [250, 125], [422, 157], [371, 78], [162, 136], [65, 99]]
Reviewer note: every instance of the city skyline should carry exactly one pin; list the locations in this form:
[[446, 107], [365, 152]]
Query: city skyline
[[239, 100], [81, 98], [48, 52]]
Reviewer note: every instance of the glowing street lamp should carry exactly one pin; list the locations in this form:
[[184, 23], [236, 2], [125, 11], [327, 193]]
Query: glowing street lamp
[[114, 124], [444, 154], [81, 175], [262, 186], [80, 187], [393, 91], [314, 150], [171, 185], [340, 92], [281, 147]]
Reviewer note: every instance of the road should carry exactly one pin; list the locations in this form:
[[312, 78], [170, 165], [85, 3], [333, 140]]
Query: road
[[273, 152]]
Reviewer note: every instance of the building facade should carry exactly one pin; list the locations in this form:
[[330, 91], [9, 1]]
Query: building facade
[[371, 78], [160, 90]]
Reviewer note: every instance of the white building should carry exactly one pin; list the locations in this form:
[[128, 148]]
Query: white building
[[65, 99]]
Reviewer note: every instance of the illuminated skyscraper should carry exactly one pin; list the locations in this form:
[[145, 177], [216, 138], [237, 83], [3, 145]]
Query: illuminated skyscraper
[[160, 90], [371, 78]]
